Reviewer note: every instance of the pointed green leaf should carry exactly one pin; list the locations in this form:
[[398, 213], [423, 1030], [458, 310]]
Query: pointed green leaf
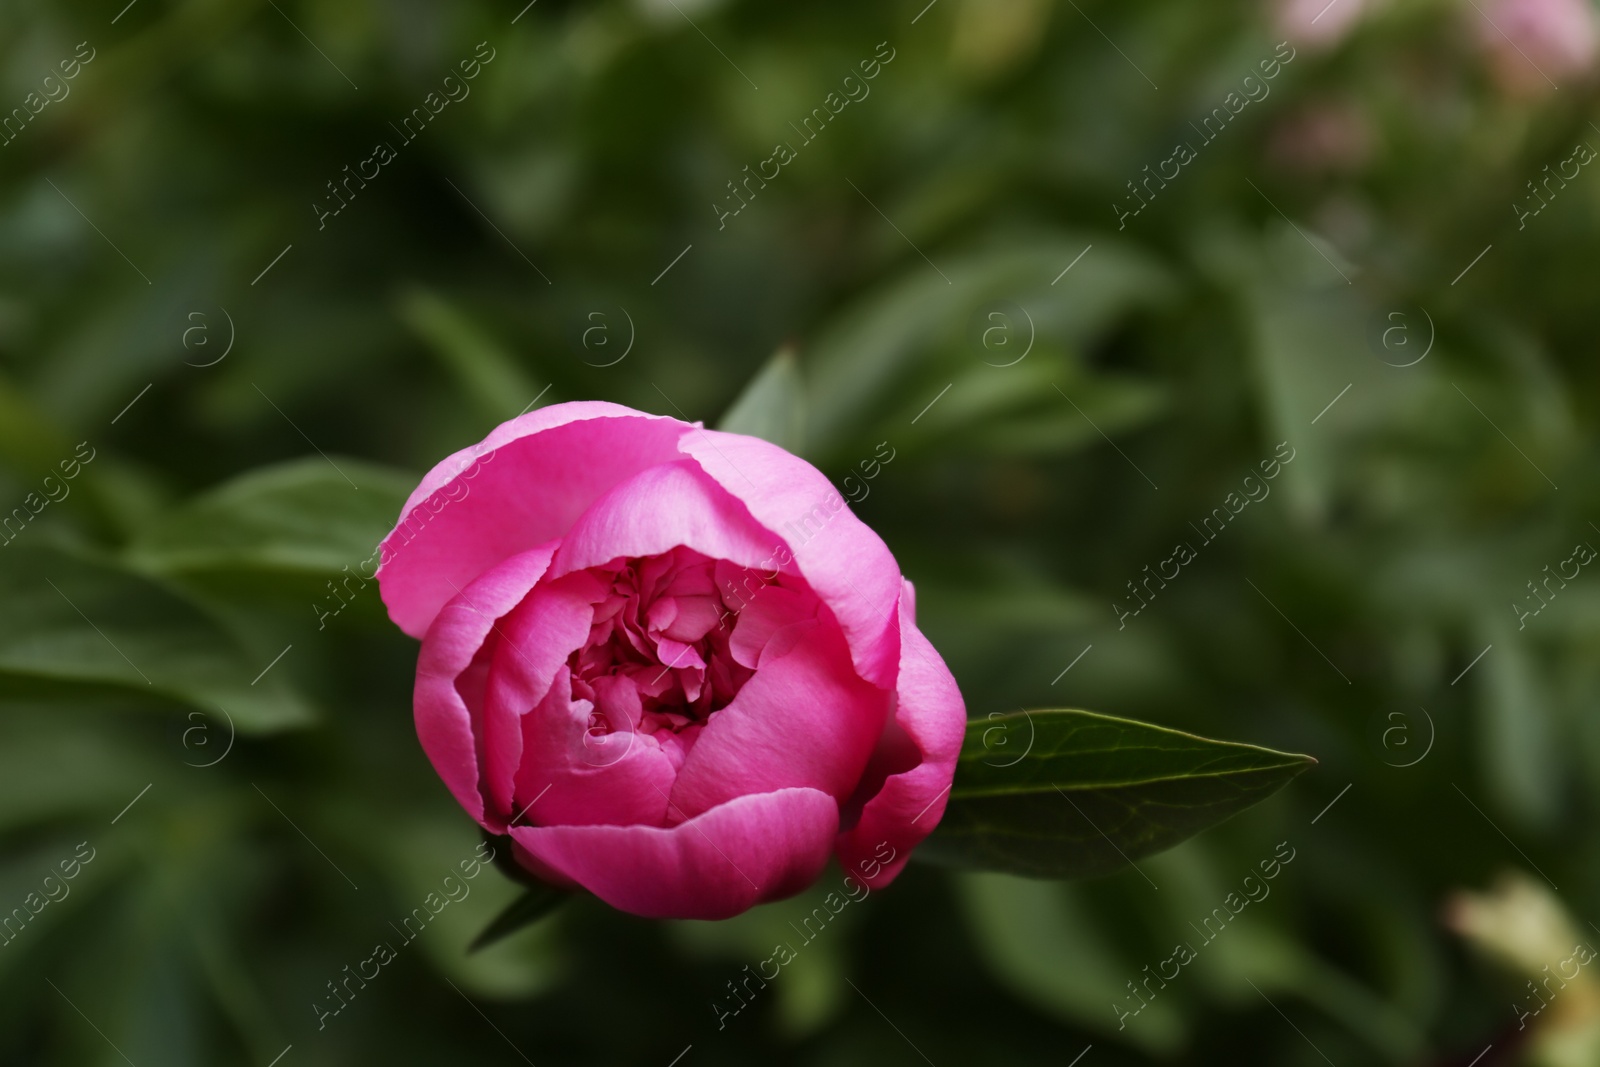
[[302, 516], [526, 910], [486, 369], [771, 405], [864, 363], [1074, 794], [83, 628]]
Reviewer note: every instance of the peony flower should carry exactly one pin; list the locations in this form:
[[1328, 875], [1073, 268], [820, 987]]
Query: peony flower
[[1532, 44], [668, 662]]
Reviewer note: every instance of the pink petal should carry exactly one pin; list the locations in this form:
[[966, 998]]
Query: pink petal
[[847, 564], [766, 613], [675, 655], [532, 644], [757, 848], [917, 759], [569, 776], [523, 485], [803, 719], [657, 510], [695, 617], [448, 726], [661, 613], [693, 581]]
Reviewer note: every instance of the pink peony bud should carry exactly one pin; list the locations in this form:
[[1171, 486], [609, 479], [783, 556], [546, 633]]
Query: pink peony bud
[[669, 662]]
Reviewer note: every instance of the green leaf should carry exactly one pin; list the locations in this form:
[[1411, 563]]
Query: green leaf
[[299, 516], [772, 405], [1024, 929], [28, 441], [55, 766], [863, 365], [526, 910], [1074, 794], [1525, 765], [486, 368], [1027, 410], [430, 850], [79, 628]]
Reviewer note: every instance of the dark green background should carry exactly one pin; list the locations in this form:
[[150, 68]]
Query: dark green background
[[199, 538]]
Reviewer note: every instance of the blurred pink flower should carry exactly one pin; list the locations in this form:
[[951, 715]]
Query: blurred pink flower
[[1324, 136], [1533, 43], [1318, 23]]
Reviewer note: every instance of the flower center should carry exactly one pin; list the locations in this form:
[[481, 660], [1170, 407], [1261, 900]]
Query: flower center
[[658, 656]]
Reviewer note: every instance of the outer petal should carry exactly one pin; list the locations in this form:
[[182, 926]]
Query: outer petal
[[448, 725], [847, 564], [803, 719], [917, 757], [757, 848], [534, 640], [523, 485], [657, 510]]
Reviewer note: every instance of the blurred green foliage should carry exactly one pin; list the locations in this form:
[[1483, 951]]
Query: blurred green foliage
[[164, 213]]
